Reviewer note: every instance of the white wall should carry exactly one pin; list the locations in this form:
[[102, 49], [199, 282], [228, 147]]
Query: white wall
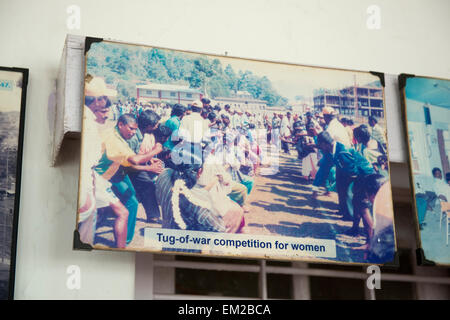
[[413, 38]]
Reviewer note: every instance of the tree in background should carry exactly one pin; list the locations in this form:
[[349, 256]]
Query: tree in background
[[123, 67]]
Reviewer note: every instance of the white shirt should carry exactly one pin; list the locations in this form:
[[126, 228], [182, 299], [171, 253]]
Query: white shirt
[[92, 145], [290, 122], [92, 151], [193, 128], [284, 129], [338, 132], [441, 188], [378, 134], [212, 167]]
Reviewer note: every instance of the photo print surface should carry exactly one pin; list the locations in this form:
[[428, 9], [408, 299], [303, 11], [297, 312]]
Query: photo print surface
[[195, 153], [427, 109], [13, 83]]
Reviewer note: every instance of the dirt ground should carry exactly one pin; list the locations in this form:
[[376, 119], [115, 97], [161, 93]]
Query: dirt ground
[[280, 205]]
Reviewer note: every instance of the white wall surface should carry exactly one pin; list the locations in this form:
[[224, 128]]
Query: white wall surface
[[412, 38]]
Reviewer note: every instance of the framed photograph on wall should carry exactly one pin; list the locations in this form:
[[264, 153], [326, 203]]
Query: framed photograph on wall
[[202, 154], [13, 88], [426, 104]]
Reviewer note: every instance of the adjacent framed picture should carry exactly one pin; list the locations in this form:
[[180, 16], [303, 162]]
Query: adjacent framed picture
[[426, 103], [193, 153], [13, 88]]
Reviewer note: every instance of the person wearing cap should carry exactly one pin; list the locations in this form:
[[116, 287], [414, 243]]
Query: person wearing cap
[[339, 134], [191, 131], [95, 191], [336, 130], [192, 125]]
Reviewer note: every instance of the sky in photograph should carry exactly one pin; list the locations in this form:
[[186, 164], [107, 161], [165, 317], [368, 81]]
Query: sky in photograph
[[288, 80], [292, 80]]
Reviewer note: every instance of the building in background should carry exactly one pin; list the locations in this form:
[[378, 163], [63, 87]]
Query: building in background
[[354, 100], [242, 100], [301, 105], [168, 93]]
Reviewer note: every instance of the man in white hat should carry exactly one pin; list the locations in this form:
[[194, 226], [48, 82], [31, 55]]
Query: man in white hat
[[95, 191], [97, 96], [192, 126], [192, 131], [336, 130], [338, 133]]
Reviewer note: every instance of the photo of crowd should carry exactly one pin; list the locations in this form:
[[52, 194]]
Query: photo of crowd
[[246, 156]]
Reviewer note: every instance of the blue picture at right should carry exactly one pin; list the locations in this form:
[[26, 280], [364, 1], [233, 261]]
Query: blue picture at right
[[427, 103]]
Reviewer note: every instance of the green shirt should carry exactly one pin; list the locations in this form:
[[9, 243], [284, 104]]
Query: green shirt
[[116, 152], [173, 124]]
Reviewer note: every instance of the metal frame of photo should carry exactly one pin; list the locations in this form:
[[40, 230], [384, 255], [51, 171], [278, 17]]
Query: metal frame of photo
[[20, 133], [80, 245]]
